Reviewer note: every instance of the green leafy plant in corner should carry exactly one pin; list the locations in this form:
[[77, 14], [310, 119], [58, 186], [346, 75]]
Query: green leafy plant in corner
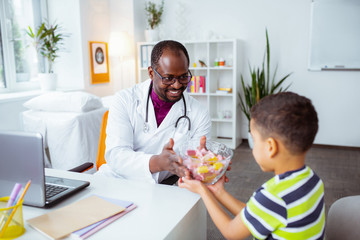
[[153, 13], [47, 40], [261, 83]]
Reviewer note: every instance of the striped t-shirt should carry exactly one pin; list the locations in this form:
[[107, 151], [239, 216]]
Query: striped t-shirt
[[288, 206]]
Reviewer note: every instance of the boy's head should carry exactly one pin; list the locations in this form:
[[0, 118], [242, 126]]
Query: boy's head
[[288, 117]]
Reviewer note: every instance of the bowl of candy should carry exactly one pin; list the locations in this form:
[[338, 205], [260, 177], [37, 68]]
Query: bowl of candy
[[206, 165]]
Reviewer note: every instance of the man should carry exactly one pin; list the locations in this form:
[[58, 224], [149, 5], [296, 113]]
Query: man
[[141, 135]]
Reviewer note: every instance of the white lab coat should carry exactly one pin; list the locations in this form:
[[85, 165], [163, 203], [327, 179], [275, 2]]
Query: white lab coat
[[129, 148]]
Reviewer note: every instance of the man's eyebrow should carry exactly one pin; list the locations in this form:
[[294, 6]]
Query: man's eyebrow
[[177, 75]]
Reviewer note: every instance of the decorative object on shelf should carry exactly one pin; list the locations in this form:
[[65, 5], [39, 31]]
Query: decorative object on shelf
[[153, 14], [221, 62], [261, 84], [99, 63], [226, 90], [202, 64], [47, 42], [227, 114]]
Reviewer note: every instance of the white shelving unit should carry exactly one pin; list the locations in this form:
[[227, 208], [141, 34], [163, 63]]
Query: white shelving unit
[[224, 129]]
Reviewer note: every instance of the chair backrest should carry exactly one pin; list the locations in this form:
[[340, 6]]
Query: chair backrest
[[101, 147], [343, 219]]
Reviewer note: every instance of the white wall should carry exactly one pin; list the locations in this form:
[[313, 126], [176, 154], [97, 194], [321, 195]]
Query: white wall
[[68, 65], [334, 94], [93, 20], [85, 21], [123, 69], [10, 114]]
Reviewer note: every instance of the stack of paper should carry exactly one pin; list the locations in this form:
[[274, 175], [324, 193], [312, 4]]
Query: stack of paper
[[90, 230], [64, 221]]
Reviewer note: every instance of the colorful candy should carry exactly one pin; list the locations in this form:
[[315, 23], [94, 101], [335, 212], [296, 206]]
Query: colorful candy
[[204, 165]]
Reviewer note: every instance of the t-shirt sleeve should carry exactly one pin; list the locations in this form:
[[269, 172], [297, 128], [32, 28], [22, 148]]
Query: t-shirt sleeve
[[264, 213]]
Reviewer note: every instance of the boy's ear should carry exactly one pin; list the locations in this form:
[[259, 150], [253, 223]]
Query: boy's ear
[[273, 147]]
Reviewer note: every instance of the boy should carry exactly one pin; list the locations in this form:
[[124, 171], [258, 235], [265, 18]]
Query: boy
[[291, 204]]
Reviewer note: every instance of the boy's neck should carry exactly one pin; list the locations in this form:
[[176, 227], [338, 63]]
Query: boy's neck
[[288, 162]]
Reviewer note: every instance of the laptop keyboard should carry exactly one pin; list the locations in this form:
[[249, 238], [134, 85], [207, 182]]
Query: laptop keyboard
[[52, 190]]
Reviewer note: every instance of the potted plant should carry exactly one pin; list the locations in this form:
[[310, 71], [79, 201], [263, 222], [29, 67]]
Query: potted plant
[[47, 42], [260, 86], [153, 15]]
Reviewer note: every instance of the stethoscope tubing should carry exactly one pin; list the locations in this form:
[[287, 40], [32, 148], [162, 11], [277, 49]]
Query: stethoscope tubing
[[146, 127]]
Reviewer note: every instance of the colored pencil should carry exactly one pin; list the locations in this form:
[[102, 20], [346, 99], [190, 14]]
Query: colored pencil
[[13, 212]]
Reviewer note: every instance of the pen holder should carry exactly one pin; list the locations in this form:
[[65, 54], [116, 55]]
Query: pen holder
[[15, 225]]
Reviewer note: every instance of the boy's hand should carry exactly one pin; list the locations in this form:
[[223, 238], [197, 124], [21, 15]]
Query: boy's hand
[[218, 187], [192, 185]]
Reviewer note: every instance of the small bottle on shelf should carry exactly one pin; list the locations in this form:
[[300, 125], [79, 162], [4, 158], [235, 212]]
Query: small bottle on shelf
[[221, 62]]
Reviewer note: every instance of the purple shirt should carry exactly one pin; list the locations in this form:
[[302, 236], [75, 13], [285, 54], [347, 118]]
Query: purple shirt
[[161, 107]]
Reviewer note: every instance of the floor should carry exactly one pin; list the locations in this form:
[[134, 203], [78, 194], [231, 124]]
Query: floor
[[338, 168]]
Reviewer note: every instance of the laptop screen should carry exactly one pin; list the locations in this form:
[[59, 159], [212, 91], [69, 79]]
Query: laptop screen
[[22, 159]]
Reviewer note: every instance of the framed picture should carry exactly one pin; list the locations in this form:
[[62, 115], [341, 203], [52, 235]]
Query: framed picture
[[99, 62]]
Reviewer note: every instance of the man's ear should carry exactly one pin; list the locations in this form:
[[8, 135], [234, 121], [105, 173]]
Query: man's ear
[[272, 146], [151, 72]]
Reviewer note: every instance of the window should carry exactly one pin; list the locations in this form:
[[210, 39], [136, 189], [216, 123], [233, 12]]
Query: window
[[19, 63]]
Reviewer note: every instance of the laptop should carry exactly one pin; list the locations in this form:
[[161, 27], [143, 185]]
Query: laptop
[[21, 160]]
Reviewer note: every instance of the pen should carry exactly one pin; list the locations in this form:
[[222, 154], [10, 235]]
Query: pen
[[2, 231], [13, 195]]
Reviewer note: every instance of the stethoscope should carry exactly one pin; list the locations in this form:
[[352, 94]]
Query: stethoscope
[[146, 124]]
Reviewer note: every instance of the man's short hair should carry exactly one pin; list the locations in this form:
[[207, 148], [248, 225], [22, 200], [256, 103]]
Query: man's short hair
[[166, 45], [288, 116]]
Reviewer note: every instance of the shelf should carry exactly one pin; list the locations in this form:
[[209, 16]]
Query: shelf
[[197, 94], [226, 141], [221, 94], [198, 68], [229, 120], [221, 68]]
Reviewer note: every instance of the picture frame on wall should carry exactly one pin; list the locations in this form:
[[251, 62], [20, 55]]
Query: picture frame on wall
[[99, 62]]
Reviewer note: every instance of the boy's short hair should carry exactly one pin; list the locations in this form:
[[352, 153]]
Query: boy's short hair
[[288, 116]]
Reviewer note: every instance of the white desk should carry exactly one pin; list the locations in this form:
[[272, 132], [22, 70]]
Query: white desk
[[163, 212]]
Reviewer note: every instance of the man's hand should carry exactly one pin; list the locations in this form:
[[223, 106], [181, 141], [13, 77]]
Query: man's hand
[[203, 142], [167, 160]]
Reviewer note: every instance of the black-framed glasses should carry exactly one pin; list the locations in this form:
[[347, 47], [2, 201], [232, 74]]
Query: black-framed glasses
[[183, 79]]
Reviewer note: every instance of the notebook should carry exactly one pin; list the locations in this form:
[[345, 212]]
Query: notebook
[[86, 232], [22, 159], [63, 221]]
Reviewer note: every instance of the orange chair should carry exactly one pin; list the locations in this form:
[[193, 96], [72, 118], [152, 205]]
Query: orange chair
[[100, 159]]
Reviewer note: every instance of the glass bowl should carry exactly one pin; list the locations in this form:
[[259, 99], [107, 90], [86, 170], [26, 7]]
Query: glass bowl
[[208, 165]]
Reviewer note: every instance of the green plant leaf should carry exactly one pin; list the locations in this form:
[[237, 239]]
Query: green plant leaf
[[47, 41], [261, 84]]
